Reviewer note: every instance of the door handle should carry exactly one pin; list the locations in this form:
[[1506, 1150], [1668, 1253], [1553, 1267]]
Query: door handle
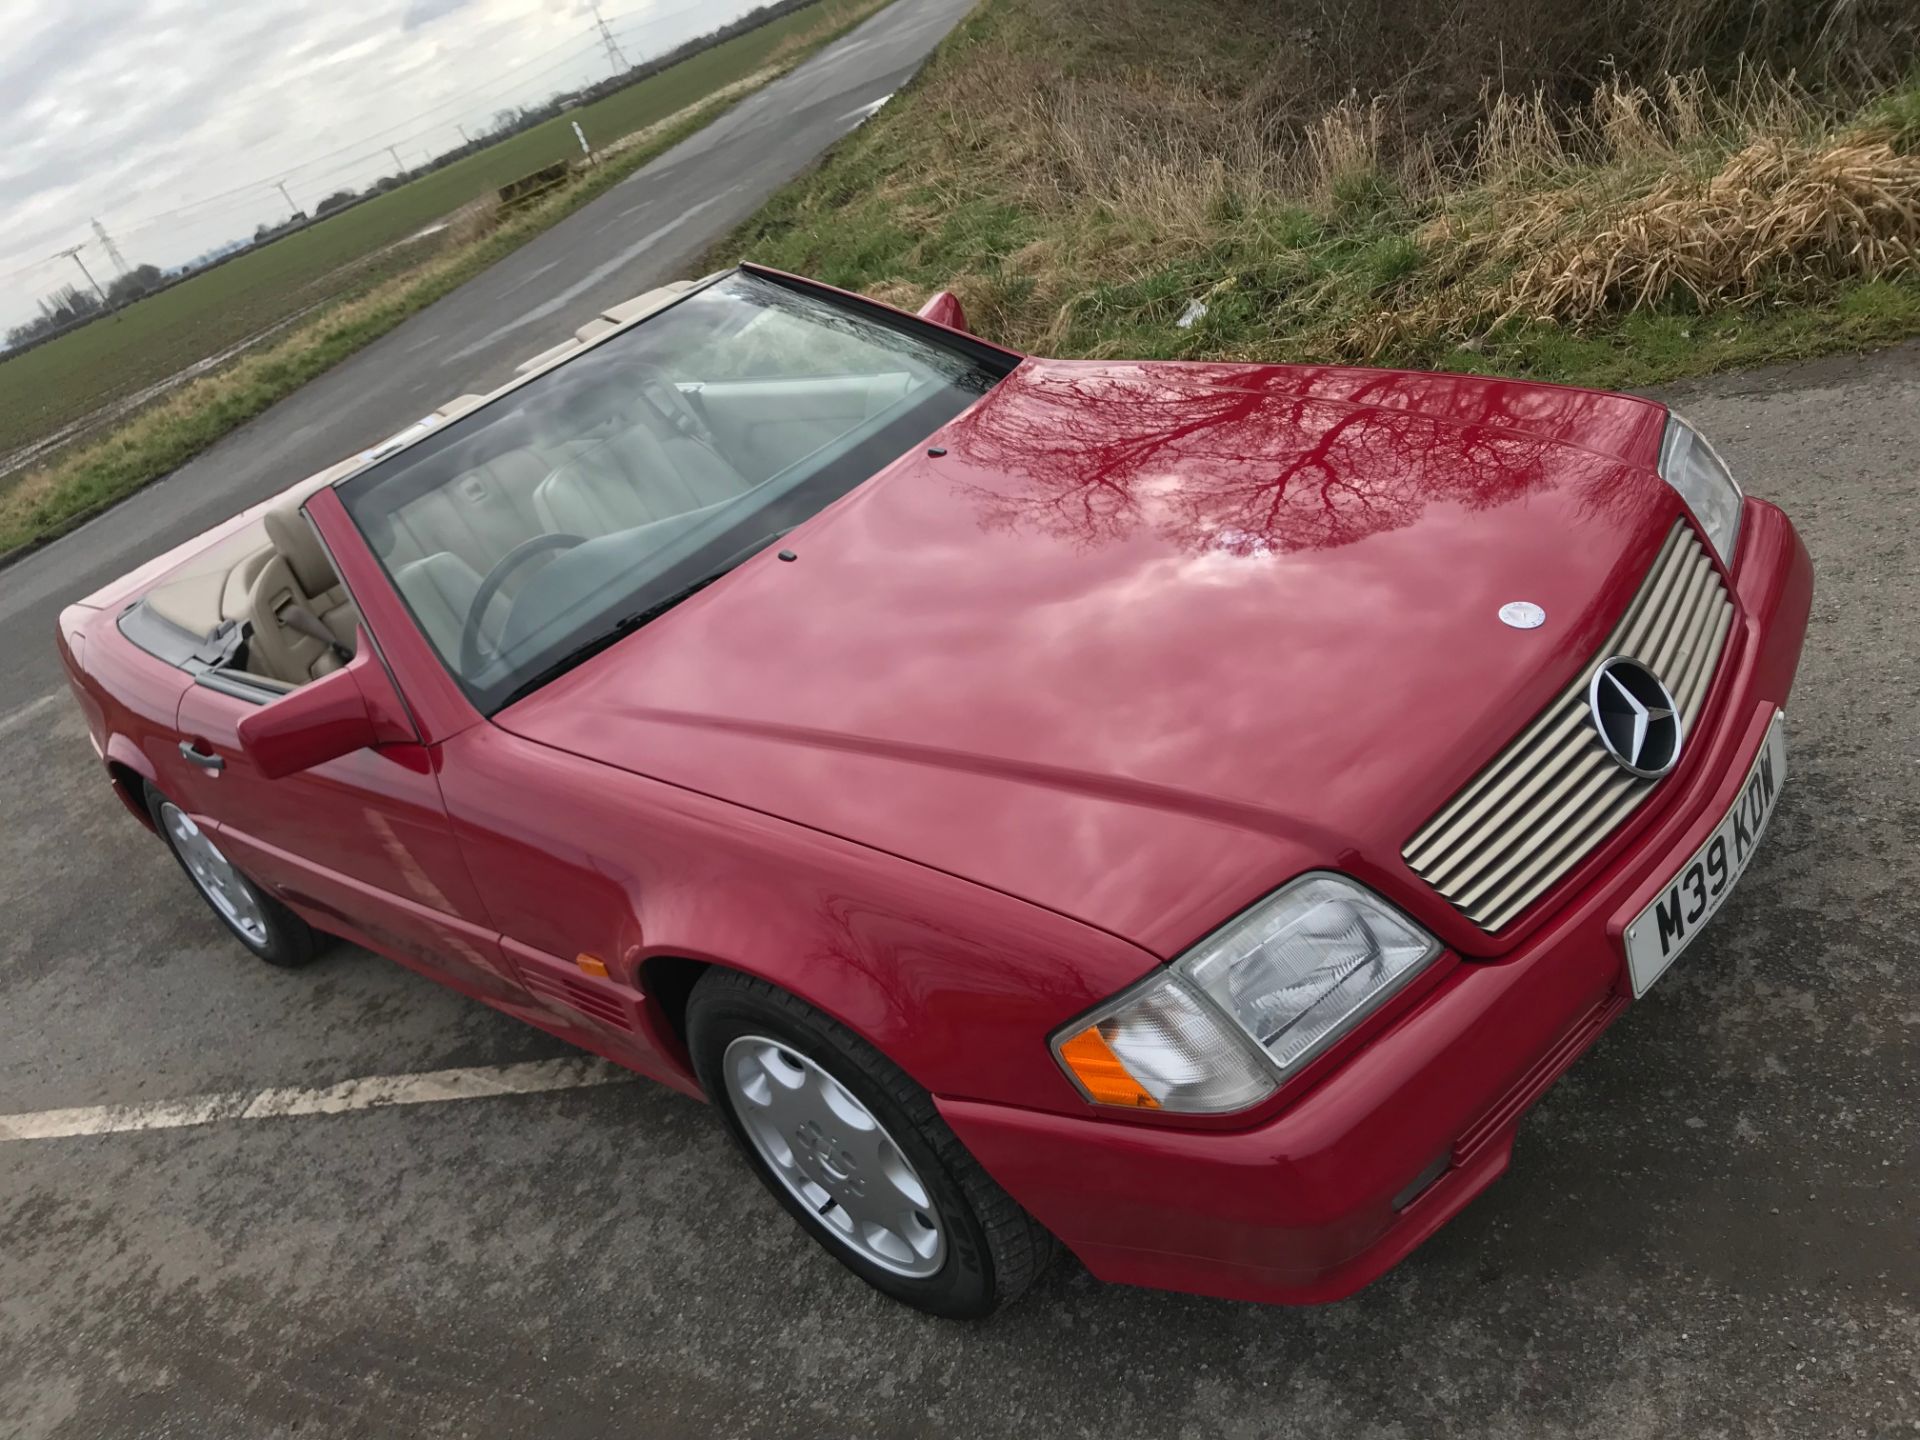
[[196, 757]]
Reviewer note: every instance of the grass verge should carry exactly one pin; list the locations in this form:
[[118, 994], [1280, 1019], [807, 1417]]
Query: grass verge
[[42, 504], [1081, 172]]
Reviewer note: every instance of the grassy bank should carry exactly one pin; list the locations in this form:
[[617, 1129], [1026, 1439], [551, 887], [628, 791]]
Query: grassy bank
[[1082, 172], [43, 503], [352, 252]]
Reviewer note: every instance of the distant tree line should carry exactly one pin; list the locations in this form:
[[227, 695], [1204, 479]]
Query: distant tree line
[[70, 305]]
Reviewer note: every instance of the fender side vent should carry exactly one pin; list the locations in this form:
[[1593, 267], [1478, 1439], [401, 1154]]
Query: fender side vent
[[582, 995]]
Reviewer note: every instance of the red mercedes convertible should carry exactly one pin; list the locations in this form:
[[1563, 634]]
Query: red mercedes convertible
[[1187, 812]]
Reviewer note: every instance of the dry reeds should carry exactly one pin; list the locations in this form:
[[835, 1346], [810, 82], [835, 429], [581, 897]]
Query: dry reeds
[[1640, 201], [1639, 197], [474, 221], [1777, 210]]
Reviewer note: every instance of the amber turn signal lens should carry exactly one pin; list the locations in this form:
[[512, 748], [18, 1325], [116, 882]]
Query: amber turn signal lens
[[1100, 1072], [1156, 1046], [591, 965]]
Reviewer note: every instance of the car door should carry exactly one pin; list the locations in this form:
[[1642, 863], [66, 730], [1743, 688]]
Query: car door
[[362, 843]]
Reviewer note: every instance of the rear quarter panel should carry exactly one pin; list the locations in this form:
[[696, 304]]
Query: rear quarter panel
[[129, 699]]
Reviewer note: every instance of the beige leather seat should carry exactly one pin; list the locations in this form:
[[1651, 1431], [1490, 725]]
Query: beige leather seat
[[440, 589], [439, 545], [483, 510], [297, 576], [651, 468]]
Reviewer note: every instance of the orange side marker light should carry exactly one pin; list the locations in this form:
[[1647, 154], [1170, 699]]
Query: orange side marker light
[[1101, 1072]]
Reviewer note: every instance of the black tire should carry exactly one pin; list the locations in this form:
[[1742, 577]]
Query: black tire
[[286, 940], [994, 1249]]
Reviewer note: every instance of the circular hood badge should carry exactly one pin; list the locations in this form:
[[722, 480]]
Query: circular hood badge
[[1636, 716], [1522, 615]]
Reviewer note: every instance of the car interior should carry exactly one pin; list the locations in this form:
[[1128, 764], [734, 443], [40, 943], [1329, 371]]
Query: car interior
[[263, 605], [659, 459], [615, 448]]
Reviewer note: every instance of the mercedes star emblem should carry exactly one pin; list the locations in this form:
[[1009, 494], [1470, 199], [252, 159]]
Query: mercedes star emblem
[[1636, 716]]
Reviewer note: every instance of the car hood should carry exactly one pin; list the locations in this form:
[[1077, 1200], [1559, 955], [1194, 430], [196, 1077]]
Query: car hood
[[1147, 640]]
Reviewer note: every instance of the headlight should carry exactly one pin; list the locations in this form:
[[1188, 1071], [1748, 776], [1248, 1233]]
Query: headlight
[[1291, 976], [1692, 467]]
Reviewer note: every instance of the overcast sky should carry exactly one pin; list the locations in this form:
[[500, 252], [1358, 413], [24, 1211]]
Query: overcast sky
[[137, 110]]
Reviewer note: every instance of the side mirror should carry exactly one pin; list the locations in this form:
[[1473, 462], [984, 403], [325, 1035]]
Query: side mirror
[[321, 721], [352, 708], [944, 309]]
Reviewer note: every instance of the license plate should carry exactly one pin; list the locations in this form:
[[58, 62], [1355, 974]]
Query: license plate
[[1666, 927]]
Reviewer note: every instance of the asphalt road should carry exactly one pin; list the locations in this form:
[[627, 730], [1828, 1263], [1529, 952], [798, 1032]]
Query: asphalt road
[[1709, 1229]]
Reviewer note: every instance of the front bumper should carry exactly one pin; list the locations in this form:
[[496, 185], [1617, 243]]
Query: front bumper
[[1311, 1205]]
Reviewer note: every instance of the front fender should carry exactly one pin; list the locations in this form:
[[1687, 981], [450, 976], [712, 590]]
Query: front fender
[[959, 985]]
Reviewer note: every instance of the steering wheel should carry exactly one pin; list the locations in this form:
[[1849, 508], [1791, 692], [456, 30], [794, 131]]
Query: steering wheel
[[471, 657]]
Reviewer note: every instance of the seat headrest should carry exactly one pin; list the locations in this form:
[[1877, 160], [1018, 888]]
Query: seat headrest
[[294, 539]]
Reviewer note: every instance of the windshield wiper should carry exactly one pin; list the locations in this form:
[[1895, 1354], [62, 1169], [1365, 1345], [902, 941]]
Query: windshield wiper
[[627, 624]]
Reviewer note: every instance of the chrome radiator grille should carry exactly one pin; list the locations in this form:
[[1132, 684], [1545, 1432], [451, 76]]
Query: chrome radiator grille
[[1554, 794]]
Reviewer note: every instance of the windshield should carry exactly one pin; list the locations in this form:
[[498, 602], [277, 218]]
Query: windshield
[[583, 504]]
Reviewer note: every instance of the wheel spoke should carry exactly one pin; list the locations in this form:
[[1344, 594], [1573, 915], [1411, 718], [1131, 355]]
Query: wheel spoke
[[786, 1103], [226, 889], [901, 1176], [834, 1156]]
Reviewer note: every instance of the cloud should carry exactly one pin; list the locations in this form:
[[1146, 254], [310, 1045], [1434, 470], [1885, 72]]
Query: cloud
[[419, 12], [171, 120]]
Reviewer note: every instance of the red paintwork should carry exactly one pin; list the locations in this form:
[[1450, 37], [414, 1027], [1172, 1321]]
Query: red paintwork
[[352, 709], [1022, 721], [1159, 633], [1299, 1209], [944, 309]]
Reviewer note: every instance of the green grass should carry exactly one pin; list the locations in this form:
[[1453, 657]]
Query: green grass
[[1079, 171], [45, 503], [55, 384]]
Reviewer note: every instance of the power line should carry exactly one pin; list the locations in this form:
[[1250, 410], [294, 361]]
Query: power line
[[240, 194], [615, 56], [73, 253], [575, 48], [604, 37], [106, 244], [29, 268], [255, 185], [245, 194]]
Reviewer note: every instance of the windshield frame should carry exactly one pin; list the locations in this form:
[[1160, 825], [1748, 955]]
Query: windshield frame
[[449, 430]]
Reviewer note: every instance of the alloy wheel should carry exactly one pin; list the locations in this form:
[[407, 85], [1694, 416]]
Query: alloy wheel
[[833, 1155], [226, 889]]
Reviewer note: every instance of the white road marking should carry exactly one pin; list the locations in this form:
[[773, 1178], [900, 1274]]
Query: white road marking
[[29, 710], [372, 1093]]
